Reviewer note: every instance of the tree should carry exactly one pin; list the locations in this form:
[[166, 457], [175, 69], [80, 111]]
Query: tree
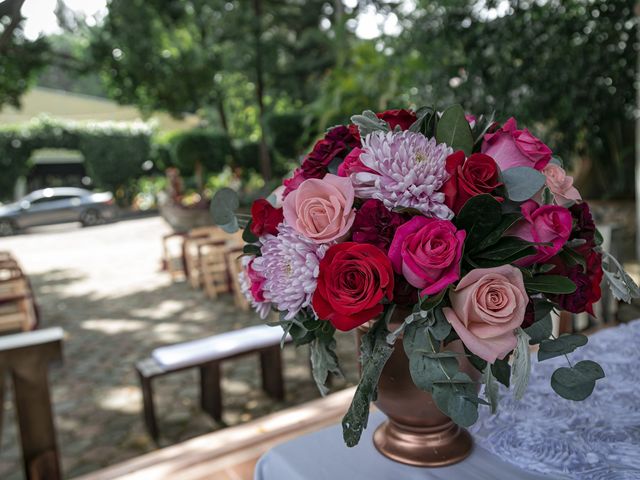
[[565, 68], [20, 58]]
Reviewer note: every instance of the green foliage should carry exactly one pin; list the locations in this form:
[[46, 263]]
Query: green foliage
[[521, 368], [554, 284], [223, 209], [578, 381], [453, 129], [522, 183], [209, 149], [562, 345], [113, 152], [288, 133]]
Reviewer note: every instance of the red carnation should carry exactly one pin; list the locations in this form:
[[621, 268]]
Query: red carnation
[[353, 281], [476, 175], [376, 224], [265, 218], [337, 141]]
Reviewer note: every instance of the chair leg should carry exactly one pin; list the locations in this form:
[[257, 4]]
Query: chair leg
[[272, 380], [149, 408], [210, 390]]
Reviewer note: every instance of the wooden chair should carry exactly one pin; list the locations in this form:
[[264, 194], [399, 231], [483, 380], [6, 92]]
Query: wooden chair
[[192, 252], [234, 262], [17, 308], [172, 263], [207, 355], [214, 268]]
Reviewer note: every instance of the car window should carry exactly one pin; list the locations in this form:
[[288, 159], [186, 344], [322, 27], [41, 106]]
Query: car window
[[54, 198]]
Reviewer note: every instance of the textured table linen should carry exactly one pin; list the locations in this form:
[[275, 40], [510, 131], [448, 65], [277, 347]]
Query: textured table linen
[[540, 437]]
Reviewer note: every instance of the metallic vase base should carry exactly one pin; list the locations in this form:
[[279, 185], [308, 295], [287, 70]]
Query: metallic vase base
[[423, 447]]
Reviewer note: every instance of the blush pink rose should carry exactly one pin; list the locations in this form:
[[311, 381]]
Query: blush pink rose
[[561, 185], [542, 224], [321, 209], [486, 307], [427, 252], [511, 147], [352, 164]]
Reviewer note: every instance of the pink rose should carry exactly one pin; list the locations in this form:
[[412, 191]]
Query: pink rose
[[486, 307], [511, 147], [561, 185], [542, 224], [321, 210], [427, 252], [352, 164]]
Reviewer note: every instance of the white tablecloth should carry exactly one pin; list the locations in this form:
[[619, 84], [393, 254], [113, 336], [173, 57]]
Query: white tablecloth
[[541, 437]]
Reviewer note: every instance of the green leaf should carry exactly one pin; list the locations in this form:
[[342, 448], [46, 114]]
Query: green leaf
[[522, 183], [251, 249], [556, 284], [540, 330], [368, 123], [426, 119], [483, 123], [357, 417], [502, 371], [453, 399], [577, 382], [570, 257], [323, 361], [223, 209], [480, 216], [333, 166], [560, 346], [441, 327], [491, 388], [506, 248], [507, 221], [521, 369], [247, 235], [453, 129]]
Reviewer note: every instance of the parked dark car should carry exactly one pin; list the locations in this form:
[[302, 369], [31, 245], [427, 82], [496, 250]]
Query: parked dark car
[[57, 205]]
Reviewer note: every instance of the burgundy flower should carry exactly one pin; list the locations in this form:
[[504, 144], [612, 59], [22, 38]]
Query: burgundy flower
[[402, 118], [584, 226], [375, 224]]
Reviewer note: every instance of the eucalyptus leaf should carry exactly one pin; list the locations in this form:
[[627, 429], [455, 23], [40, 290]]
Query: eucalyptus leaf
[[453, 129], [522, 183], [521, 368], [560, 346], [247, 235], [223, 209], [540, 330], [452, 398], [502, 371], [577, 382], [368, 123]]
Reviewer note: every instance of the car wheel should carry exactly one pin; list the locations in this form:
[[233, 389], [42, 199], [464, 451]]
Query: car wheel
[[90, 218], [7, 228]]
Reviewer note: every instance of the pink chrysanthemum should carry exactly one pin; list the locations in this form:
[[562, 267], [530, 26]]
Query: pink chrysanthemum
[[290, 265], [249, 288], [410, 171]]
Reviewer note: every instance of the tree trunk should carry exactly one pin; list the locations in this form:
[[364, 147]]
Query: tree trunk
[[637, 173], [265, 161]]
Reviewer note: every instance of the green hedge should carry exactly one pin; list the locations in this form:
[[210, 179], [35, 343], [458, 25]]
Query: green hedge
[[208, 147], [113, 151]]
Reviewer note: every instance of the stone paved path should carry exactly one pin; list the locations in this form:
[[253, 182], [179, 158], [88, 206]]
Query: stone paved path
[[103, 285]]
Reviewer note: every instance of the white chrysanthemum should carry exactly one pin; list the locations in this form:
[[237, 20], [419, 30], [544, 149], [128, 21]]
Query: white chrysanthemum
[[410, 172], [290, 265]]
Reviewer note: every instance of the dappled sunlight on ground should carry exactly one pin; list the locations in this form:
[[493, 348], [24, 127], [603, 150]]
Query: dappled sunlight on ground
[[104, 286]]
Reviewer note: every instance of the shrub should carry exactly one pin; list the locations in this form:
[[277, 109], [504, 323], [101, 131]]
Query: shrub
[[208, 149]]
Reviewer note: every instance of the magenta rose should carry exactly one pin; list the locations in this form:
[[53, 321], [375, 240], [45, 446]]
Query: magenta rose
[[486, 307], [321, 210], [427, 252], [511, 147], [550, 224]]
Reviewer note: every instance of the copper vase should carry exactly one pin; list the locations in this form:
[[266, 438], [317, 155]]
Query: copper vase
[[416, 432]]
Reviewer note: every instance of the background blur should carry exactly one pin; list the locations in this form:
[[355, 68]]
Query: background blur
[[161, 102]]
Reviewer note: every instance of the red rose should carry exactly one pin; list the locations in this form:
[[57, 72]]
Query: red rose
[[403, 118], [353, 281], [265, 218], [477, 175]]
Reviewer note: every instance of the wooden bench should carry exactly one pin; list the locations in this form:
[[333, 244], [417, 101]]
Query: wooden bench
[[207, 355]]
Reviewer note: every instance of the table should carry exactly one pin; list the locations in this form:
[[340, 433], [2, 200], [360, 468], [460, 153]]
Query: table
[[540, 437]]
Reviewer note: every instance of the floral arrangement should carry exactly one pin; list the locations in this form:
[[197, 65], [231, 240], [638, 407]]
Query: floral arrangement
[[468, 228]]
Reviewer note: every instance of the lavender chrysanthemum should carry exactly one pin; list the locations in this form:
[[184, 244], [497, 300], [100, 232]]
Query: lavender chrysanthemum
[[290, 265], [410, 172]]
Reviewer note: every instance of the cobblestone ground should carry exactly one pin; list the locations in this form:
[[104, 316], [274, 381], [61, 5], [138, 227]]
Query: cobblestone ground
[[104, 286]]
